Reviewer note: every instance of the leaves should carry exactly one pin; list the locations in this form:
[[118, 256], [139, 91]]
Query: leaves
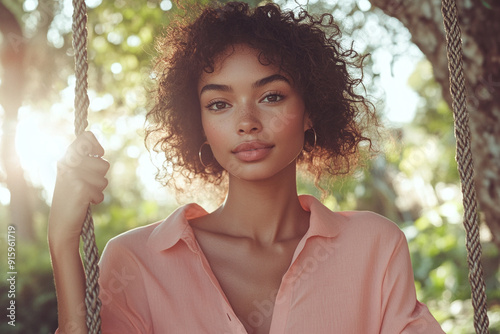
[[414, 183]]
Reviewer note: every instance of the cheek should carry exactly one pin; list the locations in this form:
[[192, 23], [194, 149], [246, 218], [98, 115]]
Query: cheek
[[295, 137], [287, 119], [289, 124], [294, 132], [215, 132]]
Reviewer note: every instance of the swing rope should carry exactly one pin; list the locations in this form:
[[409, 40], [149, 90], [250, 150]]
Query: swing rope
[[464, 160], [91, 255], [465, 164]]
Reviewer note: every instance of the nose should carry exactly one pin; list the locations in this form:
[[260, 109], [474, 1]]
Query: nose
[[249, 122]]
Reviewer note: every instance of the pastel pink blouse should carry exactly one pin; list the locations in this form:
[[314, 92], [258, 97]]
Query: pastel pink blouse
[[350, 273]]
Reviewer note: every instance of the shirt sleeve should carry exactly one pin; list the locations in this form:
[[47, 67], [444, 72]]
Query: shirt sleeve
[[401, 311], [125, 307]]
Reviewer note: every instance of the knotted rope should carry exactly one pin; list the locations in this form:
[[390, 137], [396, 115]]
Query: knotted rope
[[91, 255], [465, 164]]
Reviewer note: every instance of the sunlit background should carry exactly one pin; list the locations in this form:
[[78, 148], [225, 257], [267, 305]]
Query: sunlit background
[[40, 142], [414, 182]]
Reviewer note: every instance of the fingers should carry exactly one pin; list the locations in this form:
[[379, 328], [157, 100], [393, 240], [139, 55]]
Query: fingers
[[85, 187], [83, 151], [80, 181], [85, 145], [89, 163], [95, 185], [82, 170]]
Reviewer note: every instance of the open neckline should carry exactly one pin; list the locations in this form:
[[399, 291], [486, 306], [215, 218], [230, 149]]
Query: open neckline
[[231, 314]]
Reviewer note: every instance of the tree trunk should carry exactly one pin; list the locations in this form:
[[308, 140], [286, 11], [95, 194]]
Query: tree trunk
[[12, 54], [480, 25]]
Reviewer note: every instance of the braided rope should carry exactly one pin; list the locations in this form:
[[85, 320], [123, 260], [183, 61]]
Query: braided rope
[[91, 255], [464, 159], [465, 164]]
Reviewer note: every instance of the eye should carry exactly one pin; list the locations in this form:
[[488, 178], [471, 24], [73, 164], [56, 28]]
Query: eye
[[217, 105], [273, 97]]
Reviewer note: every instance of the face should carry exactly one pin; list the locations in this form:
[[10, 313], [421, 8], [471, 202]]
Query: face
[[253, 117]]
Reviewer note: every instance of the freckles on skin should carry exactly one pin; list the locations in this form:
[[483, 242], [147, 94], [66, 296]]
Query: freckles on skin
[[243, 101], [290, 123], [286, 118], [214, 132]]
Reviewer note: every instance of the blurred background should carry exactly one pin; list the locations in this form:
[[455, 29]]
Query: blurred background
[[413, 181]]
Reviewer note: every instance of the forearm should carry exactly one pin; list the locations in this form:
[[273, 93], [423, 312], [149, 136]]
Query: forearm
[[80, 181], [69, 279]]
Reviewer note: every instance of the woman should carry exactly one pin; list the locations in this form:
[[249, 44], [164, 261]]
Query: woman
[[244, 96]]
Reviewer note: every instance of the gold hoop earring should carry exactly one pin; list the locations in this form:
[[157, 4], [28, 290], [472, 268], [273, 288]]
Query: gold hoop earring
[[315, 140], [199, 153]]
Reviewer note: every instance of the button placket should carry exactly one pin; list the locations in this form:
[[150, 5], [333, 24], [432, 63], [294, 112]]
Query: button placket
[[233, 321]]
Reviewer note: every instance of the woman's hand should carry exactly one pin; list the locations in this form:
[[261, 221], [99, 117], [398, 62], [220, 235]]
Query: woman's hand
[[80, 182]]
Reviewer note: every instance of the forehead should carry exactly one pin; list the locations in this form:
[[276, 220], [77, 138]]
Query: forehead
[[238, 63]]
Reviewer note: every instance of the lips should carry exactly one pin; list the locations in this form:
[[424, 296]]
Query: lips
[[252, 151]]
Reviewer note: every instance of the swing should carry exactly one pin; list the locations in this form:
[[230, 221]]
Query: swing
[[465, 164], [91, 255], [463, 156]]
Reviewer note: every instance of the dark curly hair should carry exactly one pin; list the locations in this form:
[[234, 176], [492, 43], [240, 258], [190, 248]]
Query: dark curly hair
[[307, 48]]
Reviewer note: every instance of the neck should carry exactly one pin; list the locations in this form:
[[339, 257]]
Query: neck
[[266, 211]]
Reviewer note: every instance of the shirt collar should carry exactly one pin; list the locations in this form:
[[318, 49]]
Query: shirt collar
[[323, 222], [176, 227]]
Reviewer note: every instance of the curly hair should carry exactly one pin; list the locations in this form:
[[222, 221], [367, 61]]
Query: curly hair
[[306, 47]]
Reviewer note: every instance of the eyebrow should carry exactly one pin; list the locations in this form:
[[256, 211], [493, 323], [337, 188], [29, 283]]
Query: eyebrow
[[257, 84], [216, 87], [269, 79]]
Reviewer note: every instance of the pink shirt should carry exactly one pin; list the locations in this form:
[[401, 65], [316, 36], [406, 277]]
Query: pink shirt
[[350, 273]]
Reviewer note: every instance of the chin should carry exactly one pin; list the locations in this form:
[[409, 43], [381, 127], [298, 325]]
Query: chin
[[260, 172]]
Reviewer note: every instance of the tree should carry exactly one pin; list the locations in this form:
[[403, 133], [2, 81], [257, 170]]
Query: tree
[[12, 56], [481, 41]]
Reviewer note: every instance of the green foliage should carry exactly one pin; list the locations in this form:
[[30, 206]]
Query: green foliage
[[427, 183], [35, 294], [113, 219], [35, 298], [414, 183]]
